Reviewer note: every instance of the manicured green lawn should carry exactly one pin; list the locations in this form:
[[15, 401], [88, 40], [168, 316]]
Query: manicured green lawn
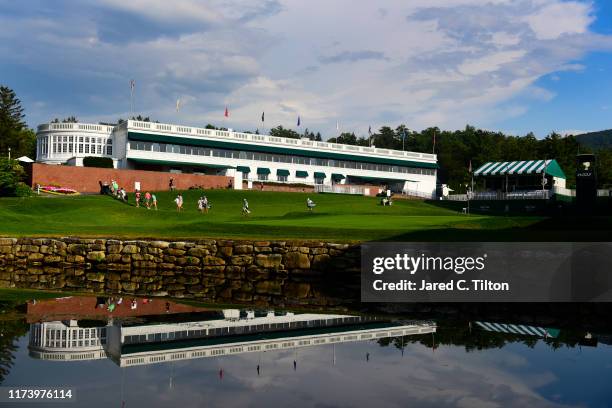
[[274, 216]]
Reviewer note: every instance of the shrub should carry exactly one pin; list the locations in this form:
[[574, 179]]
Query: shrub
[[22, 190], [103, 162]]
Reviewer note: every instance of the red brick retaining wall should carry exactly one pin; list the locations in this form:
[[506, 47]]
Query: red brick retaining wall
[[86, 179]]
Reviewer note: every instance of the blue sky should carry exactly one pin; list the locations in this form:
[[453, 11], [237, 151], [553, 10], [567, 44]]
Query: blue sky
[[510, 65]]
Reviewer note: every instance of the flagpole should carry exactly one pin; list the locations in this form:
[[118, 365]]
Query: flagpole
[[132, 86]]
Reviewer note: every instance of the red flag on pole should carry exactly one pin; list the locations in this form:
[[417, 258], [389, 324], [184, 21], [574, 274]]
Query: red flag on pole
[[226, 114]]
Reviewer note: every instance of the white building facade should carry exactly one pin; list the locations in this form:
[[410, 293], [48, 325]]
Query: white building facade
[[59, 143], [244, 156]]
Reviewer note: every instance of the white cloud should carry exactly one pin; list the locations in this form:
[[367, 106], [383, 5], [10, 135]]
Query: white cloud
[[427, 62], [559, 18]]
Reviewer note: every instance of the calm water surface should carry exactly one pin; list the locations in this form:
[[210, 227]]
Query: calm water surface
[[148, 357]]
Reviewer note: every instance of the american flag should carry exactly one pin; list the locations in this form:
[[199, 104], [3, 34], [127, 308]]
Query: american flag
[[132, 84]]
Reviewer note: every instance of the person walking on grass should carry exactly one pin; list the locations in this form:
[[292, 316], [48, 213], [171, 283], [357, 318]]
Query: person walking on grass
[[179, 202], [200, 204], [154, 201], [205, 204], [310, 204], [148, 200], [137, 198], [245, 207]]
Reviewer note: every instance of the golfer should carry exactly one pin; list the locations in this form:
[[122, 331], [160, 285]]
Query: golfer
[[245, 207], [310, 204]]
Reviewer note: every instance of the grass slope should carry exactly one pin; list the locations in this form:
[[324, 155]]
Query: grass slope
[[274, 216]]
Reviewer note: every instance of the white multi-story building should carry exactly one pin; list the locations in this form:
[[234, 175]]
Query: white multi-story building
[[58, 143], [244, 156], [232, 332], [66, 341]]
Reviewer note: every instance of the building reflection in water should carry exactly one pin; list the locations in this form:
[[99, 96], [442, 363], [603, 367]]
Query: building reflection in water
[[211, 333]]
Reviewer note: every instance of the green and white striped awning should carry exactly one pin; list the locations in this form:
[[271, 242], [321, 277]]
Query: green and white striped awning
[[523, 329], [522, 167]]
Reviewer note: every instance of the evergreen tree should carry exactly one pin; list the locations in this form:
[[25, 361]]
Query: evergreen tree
[[14, 133]]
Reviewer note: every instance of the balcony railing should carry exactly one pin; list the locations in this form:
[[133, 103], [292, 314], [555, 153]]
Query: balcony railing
[[498, 195], [272, 140]]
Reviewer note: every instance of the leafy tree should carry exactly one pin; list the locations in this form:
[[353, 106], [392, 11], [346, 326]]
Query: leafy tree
[[280, 131], [12, 330], [344, 138], [11, 178]]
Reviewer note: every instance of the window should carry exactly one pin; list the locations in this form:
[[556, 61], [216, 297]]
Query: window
[[319, 180], [109, 150], [262, 177], [281, 178]]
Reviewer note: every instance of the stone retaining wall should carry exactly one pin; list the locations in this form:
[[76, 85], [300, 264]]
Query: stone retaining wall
[[281, 273]]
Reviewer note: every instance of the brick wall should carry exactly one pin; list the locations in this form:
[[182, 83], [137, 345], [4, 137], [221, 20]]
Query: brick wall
[[86, 179], [278, 187]]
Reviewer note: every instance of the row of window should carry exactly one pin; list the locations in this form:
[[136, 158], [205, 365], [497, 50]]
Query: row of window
[[75, 144], [75, 343], [276, 158]]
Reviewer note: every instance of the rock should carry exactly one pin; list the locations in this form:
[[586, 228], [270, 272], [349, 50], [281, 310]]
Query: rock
[[243, 249], [159, 244], [35, 257], [114, 249], [130, 249], [175, 252], [241, 260], [8, 241], [297, 290], [52, 259], [95, 276], [198, 251], [296, 260], [269, 261], [97, 256], [320, 261], [129, 286], [77, 249], [226, 251], [212, 261]]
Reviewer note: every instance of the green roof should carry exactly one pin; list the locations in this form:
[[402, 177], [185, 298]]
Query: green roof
[[318, 174], [301, 174], [521, 168], [282, 172], [275, 149], [179, 163], [263, 170], [243, 169], [337, 176]]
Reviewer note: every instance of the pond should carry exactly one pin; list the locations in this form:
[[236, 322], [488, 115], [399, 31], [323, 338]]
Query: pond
[[158, 353]]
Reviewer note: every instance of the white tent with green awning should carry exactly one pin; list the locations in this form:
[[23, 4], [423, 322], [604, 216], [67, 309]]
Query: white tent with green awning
[[521, 167]]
